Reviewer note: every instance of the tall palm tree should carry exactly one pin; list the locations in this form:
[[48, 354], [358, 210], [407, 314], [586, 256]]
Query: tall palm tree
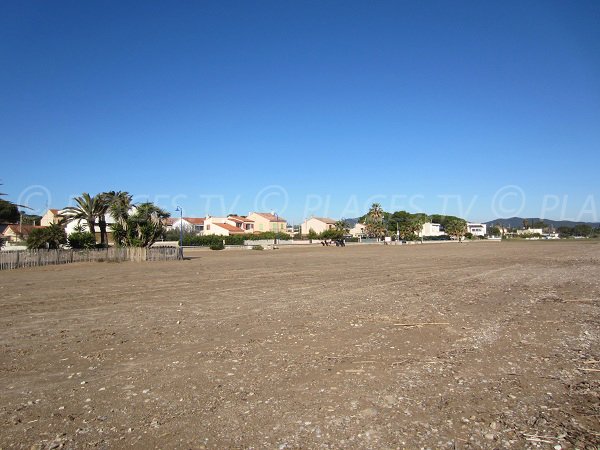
[[374, 221], [118, 204], [376, 212], [416, 224], [87, 208]]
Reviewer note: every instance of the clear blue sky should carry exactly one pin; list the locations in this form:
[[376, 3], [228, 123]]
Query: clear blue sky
[[313, 107]]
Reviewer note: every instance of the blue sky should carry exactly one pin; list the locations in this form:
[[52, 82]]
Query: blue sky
[[478, 109]]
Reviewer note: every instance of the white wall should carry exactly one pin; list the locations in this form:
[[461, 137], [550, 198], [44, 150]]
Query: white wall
[[431, 229]]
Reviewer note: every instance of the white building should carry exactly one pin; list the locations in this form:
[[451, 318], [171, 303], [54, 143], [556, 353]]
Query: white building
[[430, 229], [190, 224], [531, 231], [477, 229]]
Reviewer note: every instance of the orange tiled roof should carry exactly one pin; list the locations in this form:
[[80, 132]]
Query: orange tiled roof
[[229, 228], [194, 220], [21, 229], [239, 219]]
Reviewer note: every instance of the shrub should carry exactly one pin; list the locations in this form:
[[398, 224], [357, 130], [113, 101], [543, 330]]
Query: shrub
[[266, 236], [52, 236], [82, 239], [207, 241], [332, 234], [257, 247], [217, 246]]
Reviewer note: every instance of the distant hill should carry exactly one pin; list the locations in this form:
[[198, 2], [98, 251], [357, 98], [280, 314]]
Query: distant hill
[[517, 222]]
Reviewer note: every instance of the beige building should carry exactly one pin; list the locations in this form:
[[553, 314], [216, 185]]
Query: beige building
[[358, 230], [243, 223], [317, 224], [51, 216], [264, 222], [16, 233], [221, 229]]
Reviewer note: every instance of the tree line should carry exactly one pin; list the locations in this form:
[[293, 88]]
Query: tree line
[[379, 223], [135, 224]]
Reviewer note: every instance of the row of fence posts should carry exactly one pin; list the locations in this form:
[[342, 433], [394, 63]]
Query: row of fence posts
[[34, 258]]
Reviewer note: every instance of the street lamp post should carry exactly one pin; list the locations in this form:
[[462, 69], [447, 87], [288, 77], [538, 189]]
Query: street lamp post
[[276, 229], [180, 209]]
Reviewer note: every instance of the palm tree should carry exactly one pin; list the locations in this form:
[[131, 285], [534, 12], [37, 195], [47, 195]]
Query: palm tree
[[88, 208], [416, 224], [342, 225], [118, 204], [376, 212], [142, 227], [374, 221]]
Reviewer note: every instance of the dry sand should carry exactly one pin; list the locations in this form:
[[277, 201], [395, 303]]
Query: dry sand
[[307, 348]]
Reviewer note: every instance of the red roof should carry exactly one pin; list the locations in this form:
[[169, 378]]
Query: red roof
[[24, 229], [239, 219], [194, 220], [229, 228], [54, 211]]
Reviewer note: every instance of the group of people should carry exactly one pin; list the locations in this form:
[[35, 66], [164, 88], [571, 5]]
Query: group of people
[[337, 242]]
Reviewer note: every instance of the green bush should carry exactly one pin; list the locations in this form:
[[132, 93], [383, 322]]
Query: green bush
[[82, 239], [332, 234], [52, 236], [207, 241], [257, 247], [217, 246], [193, 240], [267, 235]]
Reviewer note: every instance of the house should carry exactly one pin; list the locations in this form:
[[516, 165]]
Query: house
[[317, 224], [218, 226], [168, 223], [74, 225], [52, 216], [241, 222], [430, 229], [16, 232], [477, 229], [530, 231], [358, 230], [189, 224], [264, 222], [222, 229]]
